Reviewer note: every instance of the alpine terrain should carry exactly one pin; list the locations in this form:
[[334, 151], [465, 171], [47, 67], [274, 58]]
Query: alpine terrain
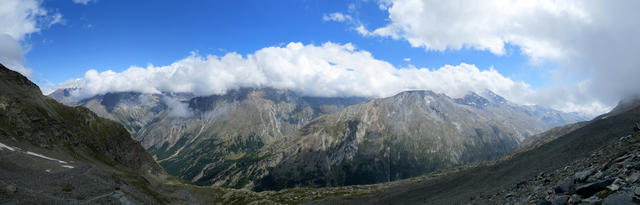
[[269, 139]]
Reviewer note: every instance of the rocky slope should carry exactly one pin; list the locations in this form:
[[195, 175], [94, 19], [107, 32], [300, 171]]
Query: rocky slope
[[597, 157], [610, 175], [49, 149]]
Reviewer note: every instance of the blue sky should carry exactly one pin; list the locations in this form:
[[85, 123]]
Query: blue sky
[[116, 34], [573, 56]]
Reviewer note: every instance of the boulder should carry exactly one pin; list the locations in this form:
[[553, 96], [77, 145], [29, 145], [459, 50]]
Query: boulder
[[619, 199], [543, 202], [594, 200], [581, 176], [560, 200], [590, 189], [565, 187], [633, 178]]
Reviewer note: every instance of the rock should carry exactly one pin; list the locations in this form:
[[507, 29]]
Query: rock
[[590, 189], [11, 189], [581, 176], [543, 202], [618, 199], [613, 187], [616, 184], [596, 176], [633, 178], [565, 186], [636, 191], [560, 200], [619, 159], [591, 201], [575, 199]]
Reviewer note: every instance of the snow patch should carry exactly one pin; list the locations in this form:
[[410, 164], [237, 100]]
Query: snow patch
[[3, 146], [48, 170], [67, 166], [45, 157], [457, 125]]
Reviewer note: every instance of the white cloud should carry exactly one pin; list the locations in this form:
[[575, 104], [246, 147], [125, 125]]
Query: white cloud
[[326, 70], [83, 2], [339, 17], [594, 43], [11, 54], [363, 31], [406, 59], [177, 108], [19, 19]]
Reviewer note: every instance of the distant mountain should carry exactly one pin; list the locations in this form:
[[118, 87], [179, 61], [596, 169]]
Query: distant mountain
[[199, 138], [271, 139], [55, 154], [406, 135], [590, 162]]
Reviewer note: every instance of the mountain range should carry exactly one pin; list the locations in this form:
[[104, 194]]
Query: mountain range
[[270, 139], [56, 154]]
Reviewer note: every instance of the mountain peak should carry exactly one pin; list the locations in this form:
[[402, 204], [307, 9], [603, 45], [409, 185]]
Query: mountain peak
[[474, 100], [494, 98]]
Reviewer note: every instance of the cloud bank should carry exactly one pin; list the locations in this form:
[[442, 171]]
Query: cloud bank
[[594, 43], [327, 70], [19, 19]]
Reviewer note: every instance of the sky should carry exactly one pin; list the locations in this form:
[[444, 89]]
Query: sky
[[575, 56]]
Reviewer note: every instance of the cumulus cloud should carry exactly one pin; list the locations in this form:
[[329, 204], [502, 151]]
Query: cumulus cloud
[[329, 69], [594, 43], [18, 19], [339, 17]]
